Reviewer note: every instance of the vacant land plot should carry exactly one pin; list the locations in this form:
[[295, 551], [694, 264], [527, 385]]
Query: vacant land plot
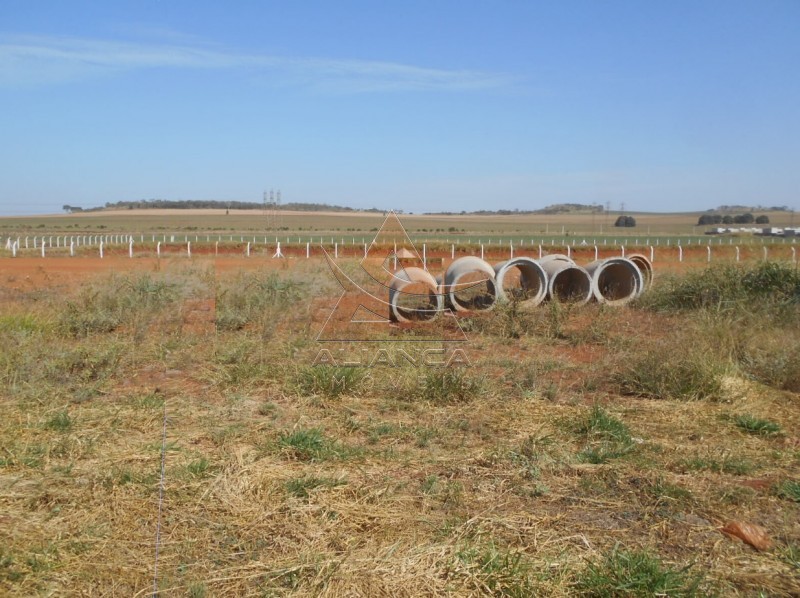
[[360, 223], [164, 428]]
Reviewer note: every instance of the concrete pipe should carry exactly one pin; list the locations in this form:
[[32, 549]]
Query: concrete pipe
[[567, 282], [414, 296], [521, 279], [645, 267], [615, 281], [469, 285], [556, 257]]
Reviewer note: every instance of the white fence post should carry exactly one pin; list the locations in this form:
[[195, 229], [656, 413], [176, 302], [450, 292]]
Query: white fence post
[[189, 248], [652, 254], [248, 249], [101, 250], [709, 253], [680, 253], [158, 249], [737, 253], [424, 257], [71, 248], [130, 248]]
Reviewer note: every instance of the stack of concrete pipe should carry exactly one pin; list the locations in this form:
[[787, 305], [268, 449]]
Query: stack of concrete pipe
[[471, 285]]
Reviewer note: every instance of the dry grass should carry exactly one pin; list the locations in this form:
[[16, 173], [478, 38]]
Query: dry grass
[[405, 483]]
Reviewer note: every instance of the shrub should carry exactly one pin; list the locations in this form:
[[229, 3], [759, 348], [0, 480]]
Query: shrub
[[670, 374], [768, 284]]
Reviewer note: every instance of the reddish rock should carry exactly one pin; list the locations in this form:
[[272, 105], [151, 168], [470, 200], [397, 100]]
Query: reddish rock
[[750, 533]]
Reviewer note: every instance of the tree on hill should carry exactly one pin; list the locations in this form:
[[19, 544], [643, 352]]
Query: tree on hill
[[763, 219], [708, 219], [628, 221]]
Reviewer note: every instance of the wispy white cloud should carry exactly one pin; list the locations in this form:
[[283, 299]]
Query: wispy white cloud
[[41, 61]]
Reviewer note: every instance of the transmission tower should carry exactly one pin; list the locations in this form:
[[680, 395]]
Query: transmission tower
[[272, 210]]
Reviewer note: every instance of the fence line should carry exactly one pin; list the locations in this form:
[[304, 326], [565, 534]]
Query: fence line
[[73, 245]]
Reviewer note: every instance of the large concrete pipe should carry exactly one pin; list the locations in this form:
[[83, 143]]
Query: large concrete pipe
[[469, 285], [567, 282], [521, 279], [645, 267], [556, 257], [414, 296], [615, 281]]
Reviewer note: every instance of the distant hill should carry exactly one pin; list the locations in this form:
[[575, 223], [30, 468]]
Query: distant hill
[[198, 204]]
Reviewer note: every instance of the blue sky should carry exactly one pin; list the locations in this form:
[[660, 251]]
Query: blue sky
[[417, 105]]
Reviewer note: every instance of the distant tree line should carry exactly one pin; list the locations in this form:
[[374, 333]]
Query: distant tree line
[[201, 204], [561, 208], [746, 218]]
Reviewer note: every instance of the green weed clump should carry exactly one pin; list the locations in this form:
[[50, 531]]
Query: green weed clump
[[790, 490], [671, 373], [59, 422], [255, 298], [117, 301], [772, 359], [755, 425], [302, 487], [498, 571], [608, 437], [311, 445], [449, 386], [637, 573]]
